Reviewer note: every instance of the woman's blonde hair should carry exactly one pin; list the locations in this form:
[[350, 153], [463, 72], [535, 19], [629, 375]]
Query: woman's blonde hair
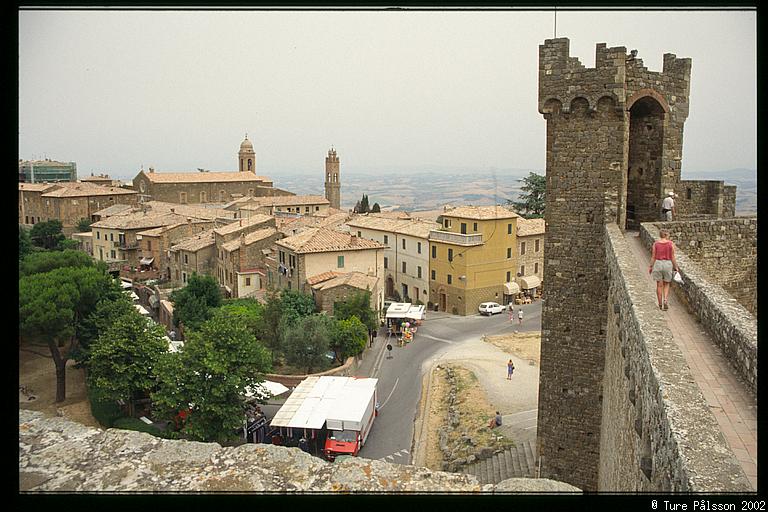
[[664, 233]]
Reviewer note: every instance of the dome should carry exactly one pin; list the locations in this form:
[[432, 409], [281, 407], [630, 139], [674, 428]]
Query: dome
[[246, 144]]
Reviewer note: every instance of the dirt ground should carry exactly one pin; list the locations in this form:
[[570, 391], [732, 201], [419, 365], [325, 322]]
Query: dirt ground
[[474, 413], [37, 375], [525, 345]]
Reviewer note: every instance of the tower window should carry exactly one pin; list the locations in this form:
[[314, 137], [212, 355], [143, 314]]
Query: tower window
[[450, 254], [250, 164]]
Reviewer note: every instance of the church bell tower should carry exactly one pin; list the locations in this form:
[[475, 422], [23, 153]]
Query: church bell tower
[[332, 179]]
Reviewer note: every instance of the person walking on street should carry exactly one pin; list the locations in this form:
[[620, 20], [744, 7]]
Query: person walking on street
[[511, 309], [668, 207], [520, 316], [663, 265], [510, 369]]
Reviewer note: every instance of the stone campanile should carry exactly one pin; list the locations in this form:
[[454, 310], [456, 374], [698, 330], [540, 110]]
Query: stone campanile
[[246, 157], [332, 179], [614, 145]]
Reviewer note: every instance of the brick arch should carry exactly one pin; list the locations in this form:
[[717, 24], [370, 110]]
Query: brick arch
[[643, 93], [581, 104], [552, 106]]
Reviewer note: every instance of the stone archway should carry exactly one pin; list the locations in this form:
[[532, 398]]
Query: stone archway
[[645, 160], [390, 286]]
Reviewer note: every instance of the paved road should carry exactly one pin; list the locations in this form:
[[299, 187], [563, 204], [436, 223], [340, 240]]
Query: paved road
[[400, 377]]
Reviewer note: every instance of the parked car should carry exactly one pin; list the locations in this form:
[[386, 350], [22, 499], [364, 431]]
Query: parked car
[[490, 308]]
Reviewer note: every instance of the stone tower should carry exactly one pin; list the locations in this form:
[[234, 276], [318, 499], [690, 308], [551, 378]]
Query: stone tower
[[332, 179], [614, 145], [246, 157]]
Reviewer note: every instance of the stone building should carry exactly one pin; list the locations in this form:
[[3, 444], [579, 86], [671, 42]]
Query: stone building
[[329, 288], [223, 267], [46, 171], [195, 254], [614, 149], [530, 251], [280, 205], [101, 179], [333, 179], [155, 243], [406, 252], [313, 251], [243, 261], [204, 186], [68, 202], [473, 257]]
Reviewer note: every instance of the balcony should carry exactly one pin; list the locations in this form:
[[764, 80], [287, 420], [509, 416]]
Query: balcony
[[455, 238]]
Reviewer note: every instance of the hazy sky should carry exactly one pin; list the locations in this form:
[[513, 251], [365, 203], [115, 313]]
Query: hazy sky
[[112, 90]]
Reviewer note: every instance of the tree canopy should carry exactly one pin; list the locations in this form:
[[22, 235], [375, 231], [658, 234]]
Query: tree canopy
[[306, 344], [530, 203], [52, 306], [349, 338], [359, 305], [124, 358], [47, 234], [209, 376], [192, 304], [25, 243], [84, 225], [45, 261], [106, 313], [249, 311], [375, 208], [296, 305]]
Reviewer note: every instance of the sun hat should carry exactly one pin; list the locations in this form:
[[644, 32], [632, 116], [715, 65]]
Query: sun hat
[[671, 194]]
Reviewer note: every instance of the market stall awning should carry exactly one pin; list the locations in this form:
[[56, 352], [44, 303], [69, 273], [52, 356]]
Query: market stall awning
[[147, 261], [529, 282], [274, 388], [141, 309], [398, 309], [416, 312], [511, 288]]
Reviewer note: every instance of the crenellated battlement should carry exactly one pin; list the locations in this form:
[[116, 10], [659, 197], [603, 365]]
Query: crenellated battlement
[[617, 75]]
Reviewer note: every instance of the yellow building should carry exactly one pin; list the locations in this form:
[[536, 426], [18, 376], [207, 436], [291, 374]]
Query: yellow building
[[472, 257]]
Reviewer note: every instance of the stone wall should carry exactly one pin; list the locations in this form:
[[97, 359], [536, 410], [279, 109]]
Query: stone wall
[[705, 197], [725, 250], [658, 433], [730, 325], [57, 455]]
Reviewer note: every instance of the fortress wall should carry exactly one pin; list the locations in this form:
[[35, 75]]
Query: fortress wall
[[658, 433], [727, 321]]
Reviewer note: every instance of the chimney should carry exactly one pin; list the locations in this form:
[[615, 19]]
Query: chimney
[[353, 240], [152, 169]]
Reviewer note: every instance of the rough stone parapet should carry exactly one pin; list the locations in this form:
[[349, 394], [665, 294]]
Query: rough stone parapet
[[58, 455], [730, 325], [658, 432]]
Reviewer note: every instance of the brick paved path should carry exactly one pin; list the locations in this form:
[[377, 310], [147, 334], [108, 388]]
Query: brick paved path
[[733, 406]]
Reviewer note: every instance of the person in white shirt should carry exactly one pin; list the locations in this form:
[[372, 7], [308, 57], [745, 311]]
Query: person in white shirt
[[668, 207]]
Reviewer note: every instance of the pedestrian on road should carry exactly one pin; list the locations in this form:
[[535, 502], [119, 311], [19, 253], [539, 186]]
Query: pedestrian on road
[[510, 369], [668, 207], [663, 264], [511, 309], [520, 316], [495, 422]]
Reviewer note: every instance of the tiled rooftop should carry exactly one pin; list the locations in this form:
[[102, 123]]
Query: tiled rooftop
[[413, 227], [116, 209], [195, 242], [203, 177], [480, 212], [326, 240], [235, 226], [354, 279], [140, 220], [80, 189], [324, 276], [250, 238], [528, 227], [36, 187]]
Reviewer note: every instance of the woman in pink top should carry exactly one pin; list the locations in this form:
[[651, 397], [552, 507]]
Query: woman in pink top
[[662, 266]]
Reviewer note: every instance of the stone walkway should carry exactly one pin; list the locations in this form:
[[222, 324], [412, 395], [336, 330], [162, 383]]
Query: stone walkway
[[732, 405]]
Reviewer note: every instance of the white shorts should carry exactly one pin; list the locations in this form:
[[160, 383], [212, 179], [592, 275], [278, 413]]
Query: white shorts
[[662, 270]]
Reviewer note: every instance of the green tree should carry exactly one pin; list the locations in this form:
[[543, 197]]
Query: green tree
[[268, 329], [209, 376], [306, 343], [47, 234], [250, 311], [45, 261], [348, 338], [106, 313], [296, 305], [359, 305], [192, 304], [52, 306], [364, 207], [83, 225], [375, 208], [123, 359], [25, 243], [67, 244], [530, 203]]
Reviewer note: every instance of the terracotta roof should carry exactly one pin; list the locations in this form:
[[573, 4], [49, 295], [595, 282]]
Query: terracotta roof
[[412, 227], [527, 227], [80, 189], [390, 215], [289, 200], [117, 209], [196, 211], [238, 224], [36, 187], [324, 276], [326, 240], [195, 242], [256, 236], [160, 230], [203, 177], [354, 279], [480, 212], [140, 220]]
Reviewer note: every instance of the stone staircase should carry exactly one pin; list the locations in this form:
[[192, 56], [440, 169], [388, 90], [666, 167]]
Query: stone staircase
[[518, 461]]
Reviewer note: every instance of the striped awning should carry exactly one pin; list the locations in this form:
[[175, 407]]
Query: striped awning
[[511, 288], [530, 282]]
